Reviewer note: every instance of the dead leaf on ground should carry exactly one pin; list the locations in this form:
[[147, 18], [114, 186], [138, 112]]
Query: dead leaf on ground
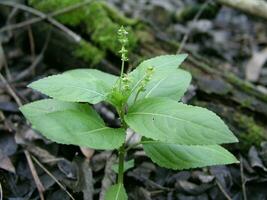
[[255, 160], [109, 176], [5, 163], [87, 152], [255, 64], [43, 155], [26, 134]]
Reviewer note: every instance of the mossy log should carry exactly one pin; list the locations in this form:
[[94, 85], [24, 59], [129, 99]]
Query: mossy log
[[242, 106]]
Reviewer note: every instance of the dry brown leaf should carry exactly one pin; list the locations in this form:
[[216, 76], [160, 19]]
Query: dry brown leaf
[[87, 152], [5, 163]]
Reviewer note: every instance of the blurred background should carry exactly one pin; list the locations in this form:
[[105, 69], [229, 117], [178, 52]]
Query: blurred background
[[227, 45]]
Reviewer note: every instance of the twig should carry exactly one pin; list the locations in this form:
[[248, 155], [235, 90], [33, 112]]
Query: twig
[[38, 19], [243, 182], [12, 14], [156, 192], [3, 62], [31, 39], [35, 63], [40, 14], [10, 90], [223, 191], [1, 192], [35, 176], [31, 68], [8, 21], [37, 181], [196, 17], [52, 176]]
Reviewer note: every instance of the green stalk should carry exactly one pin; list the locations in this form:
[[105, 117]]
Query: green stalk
[[121, 164], [122, 70], [122, 148], [121, 110], [137, 94]]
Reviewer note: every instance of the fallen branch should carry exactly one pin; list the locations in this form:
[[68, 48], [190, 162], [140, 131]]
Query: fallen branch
[[254, 7], [35, 63], [39, 19], [54, 22]]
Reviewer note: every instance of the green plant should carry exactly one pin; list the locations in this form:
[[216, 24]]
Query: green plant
[[174, 135]]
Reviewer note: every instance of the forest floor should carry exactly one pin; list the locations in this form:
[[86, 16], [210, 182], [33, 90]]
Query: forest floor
[[237, 41]]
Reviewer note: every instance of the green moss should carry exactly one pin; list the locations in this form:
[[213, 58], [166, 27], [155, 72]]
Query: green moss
[[103, 30], [253, 133], [100, 23], [245, 86], [71, 18], [118, 17], [88, 53], [246, 103]]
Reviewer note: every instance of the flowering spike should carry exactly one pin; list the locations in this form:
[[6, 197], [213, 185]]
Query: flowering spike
[[122, 34]]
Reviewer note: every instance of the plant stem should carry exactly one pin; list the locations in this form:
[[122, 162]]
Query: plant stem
[[136, 96], [122, 148], [121, 164], [122, 70]]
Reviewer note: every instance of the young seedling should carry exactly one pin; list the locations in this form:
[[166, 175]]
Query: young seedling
[[174, 135]]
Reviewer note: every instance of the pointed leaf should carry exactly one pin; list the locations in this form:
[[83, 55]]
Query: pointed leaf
[[82, 85], [181, 157], [116, 192], [72, 123], [169, 121], [165, 61], [167, 80], [161, 63], [172, 84]]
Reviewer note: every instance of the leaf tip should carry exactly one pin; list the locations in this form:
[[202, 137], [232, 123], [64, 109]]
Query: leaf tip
[[31, 85]]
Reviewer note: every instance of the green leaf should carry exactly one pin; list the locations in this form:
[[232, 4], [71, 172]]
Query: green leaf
[[127, 165], [167, 80], [108, 79], [116, 192], [169, 121], [180, 157], [72, 123], [161, 63], [81, 85], [165, 61], [172, 84]]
